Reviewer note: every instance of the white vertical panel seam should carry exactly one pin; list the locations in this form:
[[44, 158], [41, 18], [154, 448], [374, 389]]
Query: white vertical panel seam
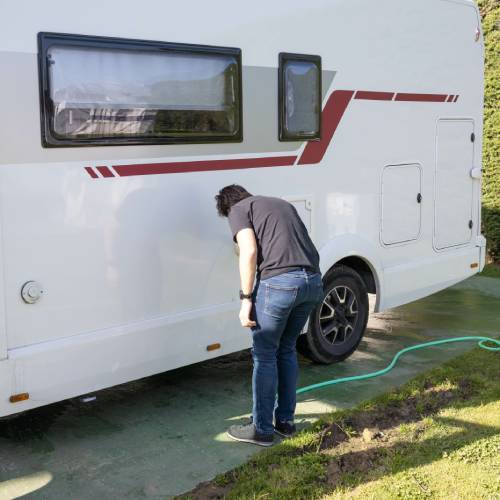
[[3, 310]]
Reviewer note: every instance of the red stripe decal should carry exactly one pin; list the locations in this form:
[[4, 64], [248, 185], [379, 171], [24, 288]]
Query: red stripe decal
[[91, 172], [203, 166], [374, 96], [421, 97], [313, 152], [105, 171], [332, 114]]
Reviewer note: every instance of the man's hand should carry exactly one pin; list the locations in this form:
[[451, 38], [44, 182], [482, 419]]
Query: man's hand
[[245, 312]]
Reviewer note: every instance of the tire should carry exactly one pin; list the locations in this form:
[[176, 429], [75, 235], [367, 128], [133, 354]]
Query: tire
[[338, 323]]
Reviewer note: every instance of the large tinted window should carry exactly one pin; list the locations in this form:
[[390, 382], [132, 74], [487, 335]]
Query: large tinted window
[[300, 97], [101, 91]]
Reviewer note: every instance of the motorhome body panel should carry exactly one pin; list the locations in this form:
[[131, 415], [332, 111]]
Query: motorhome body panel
[[139, 273], [3, 327]]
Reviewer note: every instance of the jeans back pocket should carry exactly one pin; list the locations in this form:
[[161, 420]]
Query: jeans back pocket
[[279, 300]]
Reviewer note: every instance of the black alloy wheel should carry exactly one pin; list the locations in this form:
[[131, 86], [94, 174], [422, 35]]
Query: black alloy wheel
[[338, 323]]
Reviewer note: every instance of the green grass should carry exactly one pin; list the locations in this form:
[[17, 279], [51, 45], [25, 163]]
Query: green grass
[[491, 271], [440, 438], [490, 14]]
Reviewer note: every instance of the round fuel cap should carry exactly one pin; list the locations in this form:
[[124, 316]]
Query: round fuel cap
[[31, 292]]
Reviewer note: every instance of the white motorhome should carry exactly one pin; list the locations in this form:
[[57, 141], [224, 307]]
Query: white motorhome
[[122, 120]]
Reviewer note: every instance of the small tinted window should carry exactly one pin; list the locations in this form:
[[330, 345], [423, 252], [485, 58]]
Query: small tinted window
[[300, 97], [114, 93]]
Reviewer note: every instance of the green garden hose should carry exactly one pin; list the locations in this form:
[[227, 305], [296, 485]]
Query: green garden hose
[[481, 342]]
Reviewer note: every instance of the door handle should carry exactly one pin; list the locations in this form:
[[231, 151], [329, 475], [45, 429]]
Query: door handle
[[476, 173], [419, 198]]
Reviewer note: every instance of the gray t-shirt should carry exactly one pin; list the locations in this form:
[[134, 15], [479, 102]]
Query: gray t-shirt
[[282, 239]]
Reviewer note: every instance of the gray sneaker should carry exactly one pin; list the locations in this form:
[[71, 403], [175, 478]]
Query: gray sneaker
[[249, 434]]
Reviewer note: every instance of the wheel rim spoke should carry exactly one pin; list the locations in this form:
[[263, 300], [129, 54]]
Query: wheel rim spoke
[[352, 306], [336, 333], [330, 313], [331, 333], [348, 329], [338, 315], [329, 329], [341, 296]]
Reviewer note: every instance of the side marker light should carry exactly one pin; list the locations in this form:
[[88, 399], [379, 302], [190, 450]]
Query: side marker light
[[213, 347], [474, 265], [17, 398]]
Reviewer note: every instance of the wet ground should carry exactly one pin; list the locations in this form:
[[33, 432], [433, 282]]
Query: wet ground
[[162, 435]]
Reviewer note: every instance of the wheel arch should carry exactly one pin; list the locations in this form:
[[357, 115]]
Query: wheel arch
[[358, 254]]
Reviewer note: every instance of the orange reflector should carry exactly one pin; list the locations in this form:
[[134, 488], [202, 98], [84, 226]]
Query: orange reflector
[[16, 398], [213, 347], [474, 265]]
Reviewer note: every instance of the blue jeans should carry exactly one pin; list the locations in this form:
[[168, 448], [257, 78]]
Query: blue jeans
[[282, 305]]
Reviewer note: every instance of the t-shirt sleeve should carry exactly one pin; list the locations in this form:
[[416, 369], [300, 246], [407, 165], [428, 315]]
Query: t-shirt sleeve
[[239, 219]]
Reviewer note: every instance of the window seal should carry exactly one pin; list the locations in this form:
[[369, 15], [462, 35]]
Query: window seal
[[283, 135], [50, 138]]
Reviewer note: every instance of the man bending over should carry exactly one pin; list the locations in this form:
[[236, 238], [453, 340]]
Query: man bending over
[[276, 252]]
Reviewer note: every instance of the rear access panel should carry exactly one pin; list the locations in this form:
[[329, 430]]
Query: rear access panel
[[401, 202], [3, 326], [453, 183]]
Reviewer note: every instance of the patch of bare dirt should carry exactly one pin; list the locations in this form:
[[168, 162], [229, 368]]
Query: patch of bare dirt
[[466, 388], [350, 462], [332, 436], [209, 491], [410, 410], [374, 433]]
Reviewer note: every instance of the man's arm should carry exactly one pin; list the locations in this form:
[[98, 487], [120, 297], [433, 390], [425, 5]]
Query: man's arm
[[248, 263]]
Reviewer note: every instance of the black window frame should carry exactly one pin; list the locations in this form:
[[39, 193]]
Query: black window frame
[[52, 140], [283, 134]]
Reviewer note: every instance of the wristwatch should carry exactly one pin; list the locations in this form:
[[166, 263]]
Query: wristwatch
[[245, 295]]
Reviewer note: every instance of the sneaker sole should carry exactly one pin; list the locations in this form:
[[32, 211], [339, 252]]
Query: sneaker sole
[[282, 434], [251, 441]]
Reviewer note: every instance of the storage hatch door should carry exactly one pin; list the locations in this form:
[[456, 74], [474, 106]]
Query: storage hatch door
[[453, 204], [401, 203], [3, 326]]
